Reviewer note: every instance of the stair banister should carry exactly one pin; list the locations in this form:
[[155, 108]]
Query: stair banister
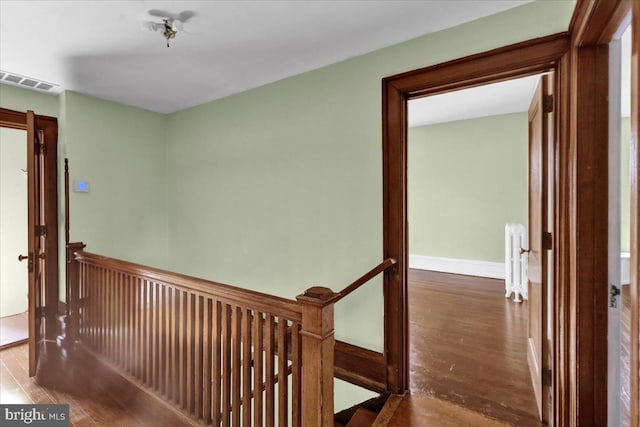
[[318, 347]]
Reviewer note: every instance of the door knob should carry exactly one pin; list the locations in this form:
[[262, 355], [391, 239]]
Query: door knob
[[22, 257], [524, 251]]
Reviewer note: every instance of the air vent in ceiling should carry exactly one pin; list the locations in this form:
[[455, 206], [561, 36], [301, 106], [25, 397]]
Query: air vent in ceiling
[[28, 82]]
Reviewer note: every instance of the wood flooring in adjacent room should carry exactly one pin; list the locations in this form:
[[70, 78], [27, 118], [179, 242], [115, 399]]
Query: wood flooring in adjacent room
[[468, 348], [14, 329]]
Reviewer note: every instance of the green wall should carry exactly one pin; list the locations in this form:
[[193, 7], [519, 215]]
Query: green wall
[[467, 179], [13, 221], [280, 187], [121, 152], [625, 185]]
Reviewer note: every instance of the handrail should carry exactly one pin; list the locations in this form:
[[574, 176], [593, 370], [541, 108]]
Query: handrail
[[264, 302], [384, 265]]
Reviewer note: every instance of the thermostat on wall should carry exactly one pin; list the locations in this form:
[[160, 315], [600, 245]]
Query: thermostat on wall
[[81, 186]]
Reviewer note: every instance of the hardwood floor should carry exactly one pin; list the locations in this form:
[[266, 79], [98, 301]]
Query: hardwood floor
[[14, 329], [90, 406], [468, 346], [625, 355]]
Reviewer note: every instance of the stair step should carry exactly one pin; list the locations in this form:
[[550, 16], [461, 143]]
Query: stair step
[[387, 411], [362, 418]]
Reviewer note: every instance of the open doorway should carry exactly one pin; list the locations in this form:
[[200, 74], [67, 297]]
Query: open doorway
[[40, 262], [470, 182], [14, 322], [620, 219]]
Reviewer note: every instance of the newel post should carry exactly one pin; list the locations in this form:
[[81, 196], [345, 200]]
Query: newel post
[[318, 344], [73, 288]]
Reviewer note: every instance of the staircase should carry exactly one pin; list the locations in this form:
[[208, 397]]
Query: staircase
[[375, 412]]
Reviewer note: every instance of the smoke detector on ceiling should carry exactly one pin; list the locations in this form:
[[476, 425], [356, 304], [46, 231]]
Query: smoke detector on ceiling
[[25, 82]]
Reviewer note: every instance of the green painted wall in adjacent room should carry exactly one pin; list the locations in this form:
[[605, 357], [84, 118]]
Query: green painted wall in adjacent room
[[467, 179], [625, 185], [13, 221]]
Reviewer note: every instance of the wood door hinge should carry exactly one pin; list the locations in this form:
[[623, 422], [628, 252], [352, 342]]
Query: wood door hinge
[[41, 230], [547, 103], [547, 377], [547, 241]]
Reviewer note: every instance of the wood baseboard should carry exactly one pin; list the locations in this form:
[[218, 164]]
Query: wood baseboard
[[143, 403]]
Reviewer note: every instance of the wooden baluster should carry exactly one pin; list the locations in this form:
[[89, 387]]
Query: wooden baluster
[[162, 331], [236, 368], [108, 318], [74, 279], [175, 324], [153, 334], [246, 367], [196, 358], [182, 353], [140, 328], [127, 322], [296, 384], [133, 325], [318, 344], [103, 304], [206, 359], [118, 326], [216, 409], [269, 398], [189, 357], [283, 383], [226, 366], [157, 309], [146, 333], [199, 354], [258, 349]]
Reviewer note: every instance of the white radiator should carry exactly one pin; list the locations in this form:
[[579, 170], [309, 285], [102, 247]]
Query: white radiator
[[516, 258]]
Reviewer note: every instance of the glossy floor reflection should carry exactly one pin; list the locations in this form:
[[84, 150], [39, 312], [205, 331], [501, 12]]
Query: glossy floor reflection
[[468, 346], [88, 407]]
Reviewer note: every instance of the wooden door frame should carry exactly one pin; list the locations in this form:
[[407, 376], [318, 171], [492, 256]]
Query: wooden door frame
[[48, 125], [580, 61]]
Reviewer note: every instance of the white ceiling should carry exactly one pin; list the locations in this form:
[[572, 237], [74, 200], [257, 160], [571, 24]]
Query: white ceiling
[[99, 47], [511, 96]]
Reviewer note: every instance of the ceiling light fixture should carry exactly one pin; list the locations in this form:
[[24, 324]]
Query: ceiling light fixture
[[171, 22]]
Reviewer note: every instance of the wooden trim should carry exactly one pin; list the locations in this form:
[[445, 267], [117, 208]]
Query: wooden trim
[[599, 21], [13, 119], [360, 366], [635, 214], [264, 302], [517, 60], [589, 293], [522, 59]]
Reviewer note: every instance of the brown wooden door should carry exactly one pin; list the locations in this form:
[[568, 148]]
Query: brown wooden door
[[35, 223], [540, 137]]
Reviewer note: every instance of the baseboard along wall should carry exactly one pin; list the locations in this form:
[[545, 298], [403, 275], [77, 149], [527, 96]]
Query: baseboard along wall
[[494, 270], [467, 267]]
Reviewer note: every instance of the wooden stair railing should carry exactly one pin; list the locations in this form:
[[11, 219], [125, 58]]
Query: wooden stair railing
[[318, 347], [221, 354], [224, 355]]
